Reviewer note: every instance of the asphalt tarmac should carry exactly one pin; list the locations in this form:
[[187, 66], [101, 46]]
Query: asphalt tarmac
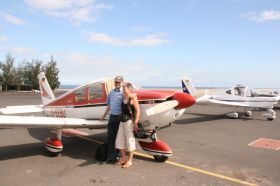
[[209, 149]]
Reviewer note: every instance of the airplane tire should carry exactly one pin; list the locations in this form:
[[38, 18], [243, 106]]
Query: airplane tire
[[159, 158], [270, 119], [53, 154]]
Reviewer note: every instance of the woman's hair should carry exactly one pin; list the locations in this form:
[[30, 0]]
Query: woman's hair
[[128, 85]]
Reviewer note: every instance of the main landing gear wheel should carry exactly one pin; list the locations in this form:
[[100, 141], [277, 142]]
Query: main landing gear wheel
[[53, 154], [270, 119], [248, 113], [54, 144], [233, 115], [160, 159]]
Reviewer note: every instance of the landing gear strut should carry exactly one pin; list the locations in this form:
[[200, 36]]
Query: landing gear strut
[[157, 148], [54, 144]]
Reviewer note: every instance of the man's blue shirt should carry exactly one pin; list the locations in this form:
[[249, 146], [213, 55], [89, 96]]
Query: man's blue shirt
[[114, 100]]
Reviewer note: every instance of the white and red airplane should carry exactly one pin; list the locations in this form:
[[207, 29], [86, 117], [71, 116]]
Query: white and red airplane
[[83, 106]]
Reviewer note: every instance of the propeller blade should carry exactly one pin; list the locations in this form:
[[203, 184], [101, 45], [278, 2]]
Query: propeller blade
[[162, 107]]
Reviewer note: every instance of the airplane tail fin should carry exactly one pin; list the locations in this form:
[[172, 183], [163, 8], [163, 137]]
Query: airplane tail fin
[[188, 87], [46, 91]]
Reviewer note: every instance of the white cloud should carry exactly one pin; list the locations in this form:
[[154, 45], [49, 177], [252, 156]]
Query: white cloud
[[12, 19], [76, 11], [141, 28], [49, 4], [267, 15], [3, 38], [149, 40], [89, 60], [20, 51], [90, 67]]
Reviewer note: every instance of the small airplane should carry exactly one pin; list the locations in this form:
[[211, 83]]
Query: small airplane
[[83, 106], [239, 96]]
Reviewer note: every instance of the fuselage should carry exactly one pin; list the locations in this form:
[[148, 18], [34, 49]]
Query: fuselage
[[90, 102]]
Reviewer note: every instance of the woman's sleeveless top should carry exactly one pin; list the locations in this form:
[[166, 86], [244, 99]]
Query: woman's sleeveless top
[[128, 109]]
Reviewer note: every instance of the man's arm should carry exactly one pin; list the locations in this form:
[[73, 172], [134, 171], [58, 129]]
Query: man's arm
[[107, 108], [105, 113]]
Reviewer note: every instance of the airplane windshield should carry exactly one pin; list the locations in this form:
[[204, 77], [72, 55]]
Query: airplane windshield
[[80, 94], [239, 91], [95, 91], [248, 92]]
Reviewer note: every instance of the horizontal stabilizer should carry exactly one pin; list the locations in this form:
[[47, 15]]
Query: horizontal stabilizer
[[22, 109], [49, 122]]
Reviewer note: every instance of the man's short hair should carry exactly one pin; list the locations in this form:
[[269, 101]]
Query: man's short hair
[[118, 79]]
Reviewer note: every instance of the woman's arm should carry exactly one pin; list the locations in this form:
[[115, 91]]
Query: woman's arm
[[137, 112]]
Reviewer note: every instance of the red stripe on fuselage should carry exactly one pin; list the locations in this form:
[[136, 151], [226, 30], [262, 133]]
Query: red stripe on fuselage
[[154, 94]]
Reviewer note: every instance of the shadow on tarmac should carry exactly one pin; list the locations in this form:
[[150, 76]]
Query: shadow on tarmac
[[201, 118], [73, 147], [208, 117]]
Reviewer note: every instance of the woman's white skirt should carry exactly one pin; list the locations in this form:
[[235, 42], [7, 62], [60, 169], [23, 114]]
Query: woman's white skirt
[[125, 138]]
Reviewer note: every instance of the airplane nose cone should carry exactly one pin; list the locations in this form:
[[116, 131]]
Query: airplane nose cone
[[184, 100]]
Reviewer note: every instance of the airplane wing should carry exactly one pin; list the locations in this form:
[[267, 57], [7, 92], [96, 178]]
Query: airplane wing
[[22, 109], [49, 122], [203, 98], [228, 103]]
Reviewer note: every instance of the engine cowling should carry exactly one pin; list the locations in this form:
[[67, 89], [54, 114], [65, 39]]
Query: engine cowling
[[184, 100]]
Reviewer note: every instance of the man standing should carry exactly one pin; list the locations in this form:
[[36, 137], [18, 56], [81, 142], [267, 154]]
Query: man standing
[[114, 103]]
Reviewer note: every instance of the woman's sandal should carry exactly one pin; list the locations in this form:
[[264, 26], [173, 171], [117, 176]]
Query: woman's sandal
[[126, 165]]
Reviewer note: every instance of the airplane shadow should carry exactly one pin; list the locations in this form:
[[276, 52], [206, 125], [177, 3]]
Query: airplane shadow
[[22, 150], [208, 117], [201, 118], [74, 147]]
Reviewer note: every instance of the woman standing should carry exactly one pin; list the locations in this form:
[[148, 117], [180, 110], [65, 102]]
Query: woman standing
[[129, 123]]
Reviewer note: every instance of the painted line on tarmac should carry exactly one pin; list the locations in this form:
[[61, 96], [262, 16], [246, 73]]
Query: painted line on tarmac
[[184, 166]]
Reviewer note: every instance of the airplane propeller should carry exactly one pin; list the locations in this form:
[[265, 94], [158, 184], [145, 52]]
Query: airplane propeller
[[162, 107]]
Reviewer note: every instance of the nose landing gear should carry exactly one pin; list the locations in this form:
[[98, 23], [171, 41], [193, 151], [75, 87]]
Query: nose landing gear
[[270, 114], [157, 148]]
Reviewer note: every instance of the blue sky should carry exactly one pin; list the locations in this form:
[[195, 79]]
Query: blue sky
[[216, 43]]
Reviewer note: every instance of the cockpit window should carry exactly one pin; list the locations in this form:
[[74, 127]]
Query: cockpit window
[[95, 91], [248, 92], [239, 91], [228, 91], [80, 94]]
